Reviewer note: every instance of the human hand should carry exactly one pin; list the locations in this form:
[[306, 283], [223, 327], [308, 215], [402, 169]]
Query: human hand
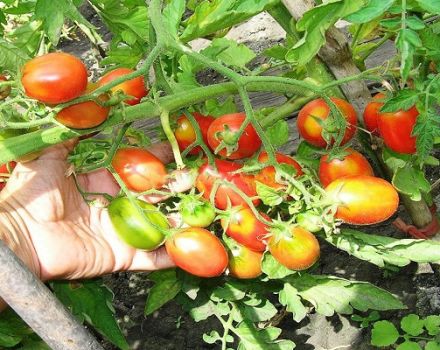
[[56, 233]]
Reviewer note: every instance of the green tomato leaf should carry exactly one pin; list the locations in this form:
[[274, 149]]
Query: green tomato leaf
[[263, 312], [308, 155], [273, 269], [217, 108], [231, 291], [427, 129], [409, 345], [407, 41], [412, 324], [382, 251], [252, 338], [372, 10], [166, 287], [278, 133], [11, 57], [229, 52], [432, 6], [290, 298], [212, 16], [91, 301], [33, 342], [384, 333], [268, 195], [12, 329], [403, 100], [411, 181], [432, 345], [212, 337], [432, 324], [172, 14], [329, 294], [123, 56]]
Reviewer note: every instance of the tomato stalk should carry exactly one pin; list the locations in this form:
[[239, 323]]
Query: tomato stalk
[[165, 121]]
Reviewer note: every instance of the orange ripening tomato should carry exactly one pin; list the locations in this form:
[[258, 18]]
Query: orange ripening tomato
[[244, 263], [267, 176], [5, 171], [197, 251], [310, 128], [139, 169], [133, 87], [244, 227], [84, 115], [208, 176], [186, 135], [54, 78], [296, 249], [225, 128], [396, 128], [371, 113], [362, 199], [4, 90], [352, 164]]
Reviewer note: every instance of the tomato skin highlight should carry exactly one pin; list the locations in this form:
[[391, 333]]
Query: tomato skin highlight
[[139, 169], [297, 249], [4, 90], [395, 128], [84, 115], [133, 87], [5, 169], [244, 263], [225, 127], [310, 130], [197, 251], [267, 176], [353, 164], [186, 135], [133, 228], [245, 228], [208, 175], [371, 113], [363, 199], [54, 78]]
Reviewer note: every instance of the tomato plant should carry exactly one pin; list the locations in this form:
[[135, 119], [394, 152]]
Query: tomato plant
[[312, 118], [371, 113], [243, 226], [396, 130], [196, 212], [362, 199], [84, 115], [224, 182], [244, 263], [134, 88], [139, 169], [186, 135], [197, 251], [223, 133], [4, 90], [350, 163], [54, 78], [294, 247]]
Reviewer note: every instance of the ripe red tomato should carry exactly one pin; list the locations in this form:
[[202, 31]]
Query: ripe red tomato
[[225, 129], [186, 135], [371, 113], [352, 164], [134, 87], [395, 128], [295, 248], [244, 263], [208, 176], [139, 169], [4, 90], [54, 78], [362, 199], [243, 226], [267, 175], [5, 171], [311, 129], [84, 115], [197, 251]]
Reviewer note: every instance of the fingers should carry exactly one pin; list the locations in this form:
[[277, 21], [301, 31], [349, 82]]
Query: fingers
[[150, 261], [99, 181]]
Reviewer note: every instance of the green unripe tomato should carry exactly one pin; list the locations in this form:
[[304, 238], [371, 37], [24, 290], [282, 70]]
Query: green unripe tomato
[[196, 212], [309, 221], [133, 228]]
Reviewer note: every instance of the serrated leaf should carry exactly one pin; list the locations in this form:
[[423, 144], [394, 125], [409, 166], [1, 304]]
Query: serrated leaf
[[432, 345], [432, 6], [409, 345], [11, 57], [263, 312], [230, 291], [27, 37], [229, 52], [217, 108], [123, 56], [427, 129], [289, 297], [252, 338], [172, 14], [268, 195], [212, 337], [403, 100], [407, 41], [91, 301], [273, 269], [166, 287], [411, 181], [381, 250], [278, 133], [384, 333], [211, 16], [412, 324], [308, 155], [331, 294], [370, 11], [432, 324]]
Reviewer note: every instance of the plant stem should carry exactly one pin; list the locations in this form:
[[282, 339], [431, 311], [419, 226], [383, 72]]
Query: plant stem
[[165, 121]]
